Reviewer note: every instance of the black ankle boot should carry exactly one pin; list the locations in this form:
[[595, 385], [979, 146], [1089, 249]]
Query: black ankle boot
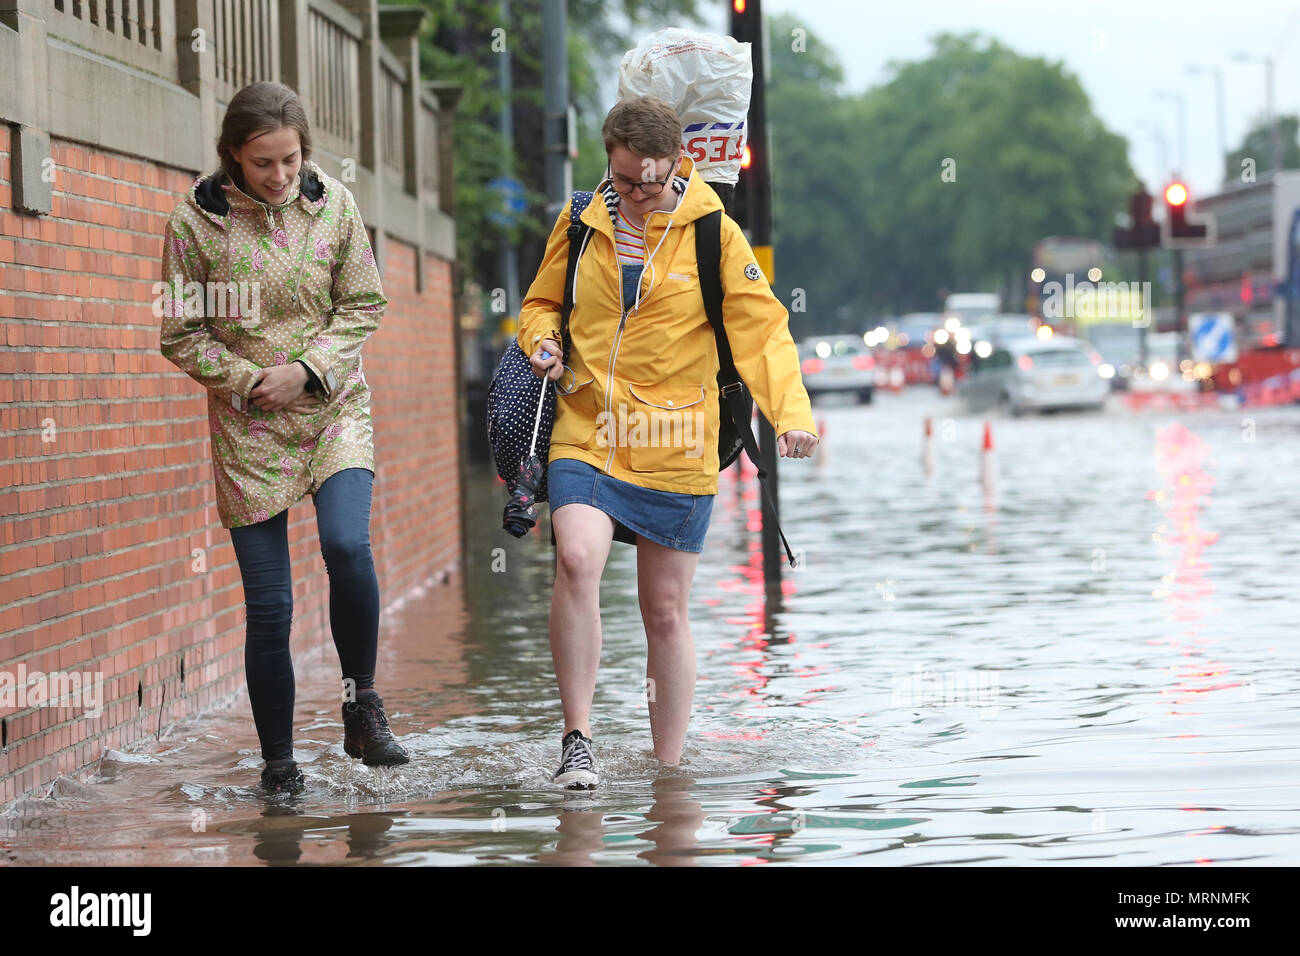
[[282, 776], [366, 734]]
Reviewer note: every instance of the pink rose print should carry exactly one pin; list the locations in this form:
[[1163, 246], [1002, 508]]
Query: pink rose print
[[179, 246], [257, 516], [214, 423], [286, 466], [281, 358], [320, 202], [259, 259], [280, 239], [239, 491], [354, 375], [308, 444], [256, 429], [322, 250], [212, 353], [321, 341], [334, 431], [368, 257]]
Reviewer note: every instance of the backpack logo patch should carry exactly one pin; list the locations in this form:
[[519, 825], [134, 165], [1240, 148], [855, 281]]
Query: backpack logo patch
[[752, 271]]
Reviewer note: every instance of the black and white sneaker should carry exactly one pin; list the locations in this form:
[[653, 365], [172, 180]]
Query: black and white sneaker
[[577, 764]]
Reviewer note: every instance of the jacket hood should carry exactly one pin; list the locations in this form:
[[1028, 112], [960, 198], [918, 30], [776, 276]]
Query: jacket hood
[[216, 194], [698, 199]]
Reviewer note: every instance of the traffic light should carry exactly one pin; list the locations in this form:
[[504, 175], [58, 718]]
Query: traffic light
[[1178, 231], [1144, 233], [752, 203]]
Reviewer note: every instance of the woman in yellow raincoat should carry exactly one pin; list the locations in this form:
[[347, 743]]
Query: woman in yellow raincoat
[[633, 452], [269, 290]]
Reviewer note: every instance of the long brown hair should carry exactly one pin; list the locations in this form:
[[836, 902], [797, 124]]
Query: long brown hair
[[260, 108]]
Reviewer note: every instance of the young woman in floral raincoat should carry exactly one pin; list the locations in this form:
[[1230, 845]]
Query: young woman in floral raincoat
[[271, 291]]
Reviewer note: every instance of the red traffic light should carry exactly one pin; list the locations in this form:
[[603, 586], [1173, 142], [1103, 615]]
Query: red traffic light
[[738, 5], [1178, 230]]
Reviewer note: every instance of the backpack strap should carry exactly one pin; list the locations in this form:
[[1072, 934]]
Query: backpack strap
[[708, 256], [577, 232]]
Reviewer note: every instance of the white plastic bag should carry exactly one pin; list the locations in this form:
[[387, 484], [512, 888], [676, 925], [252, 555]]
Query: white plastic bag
[[706, 78]]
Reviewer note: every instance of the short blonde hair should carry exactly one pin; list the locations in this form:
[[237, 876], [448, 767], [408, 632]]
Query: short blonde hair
[[644, 125]]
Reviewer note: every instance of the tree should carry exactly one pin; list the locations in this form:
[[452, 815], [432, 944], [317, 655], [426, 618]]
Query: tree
[[1255, 154], [941, 178], [461, 42]]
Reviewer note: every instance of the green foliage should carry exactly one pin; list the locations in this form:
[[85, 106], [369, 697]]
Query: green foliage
[[865, 220], [457, 45], [1257, 145]]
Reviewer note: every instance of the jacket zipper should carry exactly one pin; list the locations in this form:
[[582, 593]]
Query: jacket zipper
[[302, 259], [618, 335]]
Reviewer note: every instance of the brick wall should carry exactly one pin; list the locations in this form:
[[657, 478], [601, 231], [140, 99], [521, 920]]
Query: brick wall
[[112, 558]]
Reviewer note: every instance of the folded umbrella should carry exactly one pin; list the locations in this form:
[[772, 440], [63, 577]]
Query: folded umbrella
[[521, 510]]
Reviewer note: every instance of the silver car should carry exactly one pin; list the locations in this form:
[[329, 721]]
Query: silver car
[[837, 363], [1032, 374]]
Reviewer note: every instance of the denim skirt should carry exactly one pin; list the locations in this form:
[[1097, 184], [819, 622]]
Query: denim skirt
[[677, 521]]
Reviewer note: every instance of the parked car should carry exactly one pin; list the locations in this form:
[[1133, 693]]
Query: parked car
[[837, 363], [1032, 374], [1162, 372], [1119, 345], [912, 331]]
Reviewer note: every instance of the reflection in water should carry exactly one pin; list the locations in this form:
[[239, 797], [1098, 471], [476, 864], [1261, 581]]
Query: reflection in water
[[1094, 665]]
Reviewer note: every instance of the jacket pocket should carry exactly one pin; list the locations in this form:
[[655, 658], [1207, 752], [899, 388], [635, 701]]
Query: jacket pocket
[[667, 426], [575, 414]]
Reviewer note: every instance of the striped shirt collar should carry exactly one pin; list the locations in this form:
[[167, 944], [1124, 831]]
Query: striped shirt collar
[[612, 197]]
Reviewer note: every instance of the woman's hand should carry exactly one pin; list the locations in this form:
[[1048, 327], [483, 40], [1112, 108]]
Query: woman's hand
[[796, 444], [279, 386], [555, 363], [305, 404]]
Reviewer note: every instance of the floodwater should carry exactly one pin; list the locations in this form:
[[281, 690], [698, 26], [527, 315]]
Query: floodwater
[[1089, 661]]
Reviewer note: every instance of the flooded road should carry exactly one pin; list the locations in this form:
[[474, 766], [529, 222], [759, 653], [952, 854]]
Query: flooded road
[[1090, 662]]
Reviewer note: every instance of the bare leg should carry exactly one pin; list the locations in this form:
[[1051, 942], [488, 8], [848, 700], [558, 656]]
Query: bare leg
[[583, 535], [663, 580]]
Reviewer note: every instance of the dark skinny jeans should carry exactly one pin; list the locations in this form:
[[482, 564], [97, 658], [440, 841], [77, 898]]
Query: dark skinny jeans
[[262, 550]]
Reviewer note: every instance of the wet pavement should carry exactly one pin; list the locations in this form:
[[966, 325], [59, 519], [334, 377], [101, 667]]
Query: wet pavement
[[1090, 662]]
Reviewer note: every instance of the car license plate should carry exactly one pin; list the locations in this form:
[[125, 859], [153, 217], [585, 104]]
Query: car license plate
[[1066, 380], [839, 372]]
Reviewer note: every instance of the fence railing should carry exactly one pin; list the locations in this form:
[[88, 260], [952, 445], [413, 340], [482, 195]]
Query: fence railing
[[322, 43], [391, 87], [334, 46], [245, 43], [429, 132], [140, 33]]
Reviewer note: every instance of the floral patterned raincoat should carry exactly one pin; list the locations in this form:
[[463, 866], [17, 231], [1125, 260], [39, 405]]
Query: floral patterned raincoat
[[249, 285]]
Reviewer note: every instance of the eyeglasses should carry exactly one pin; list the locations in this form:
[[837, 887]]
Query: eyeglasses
[[652, 187]]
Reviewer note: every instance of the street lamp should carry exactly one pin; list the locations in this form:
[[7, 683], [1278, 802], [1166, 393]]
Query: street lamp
[[1162, 148], [1218, 103], [1182, 125], [1268, 101]]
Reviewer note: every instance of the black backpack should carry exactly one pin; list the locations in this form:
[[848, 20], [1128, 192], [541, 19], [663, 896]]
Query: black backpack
[[735, 404]]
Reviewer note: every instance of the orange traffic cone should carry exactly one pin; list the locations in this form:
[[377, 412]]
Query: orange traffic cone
[[988, 463]]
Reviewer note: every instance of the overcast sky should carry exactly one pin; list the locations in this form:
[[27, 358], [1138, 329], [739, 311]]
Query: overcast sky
[[1123, 52]]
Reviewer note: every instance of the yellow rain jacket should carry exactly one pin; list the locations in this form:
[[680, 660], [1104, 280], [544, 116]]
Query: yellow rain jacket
[[641, 404]]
